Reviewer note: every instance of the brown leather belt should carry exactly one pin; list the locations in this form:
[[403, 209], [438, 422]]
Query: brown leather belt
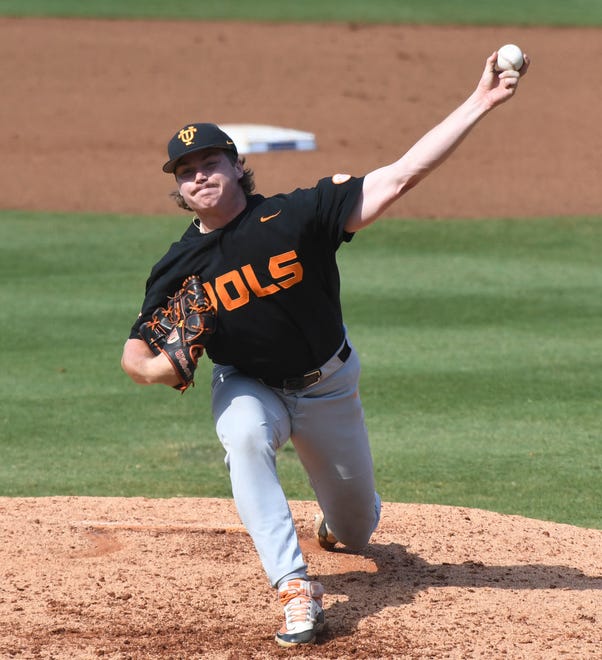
[[310, 378]]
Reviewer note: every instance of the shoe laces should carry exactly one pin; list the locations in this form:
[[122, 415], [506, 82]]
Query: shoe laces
[[298, 598]]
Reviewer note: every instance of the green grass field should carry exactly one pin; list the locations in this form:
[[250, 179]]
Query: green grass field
[[480, 340], [481, 359], [512, 12]]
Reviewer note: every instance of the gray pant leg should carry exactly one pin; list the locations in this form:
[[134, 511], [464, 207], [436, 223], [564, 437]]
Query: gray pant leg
[[252, 422], [331, 440]]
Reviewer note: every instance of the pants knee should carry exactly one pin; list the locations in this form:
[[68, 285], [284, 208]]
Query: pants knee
[[356, 537], [248, 443], [355, 532]]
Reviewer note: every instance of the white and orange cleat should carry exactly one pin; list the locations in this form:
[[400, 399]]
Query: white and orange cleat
[[303, 613]]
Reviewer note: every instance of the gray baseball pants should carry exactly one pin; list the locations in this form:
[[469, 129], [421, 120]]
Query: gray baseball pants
[[325, 423]]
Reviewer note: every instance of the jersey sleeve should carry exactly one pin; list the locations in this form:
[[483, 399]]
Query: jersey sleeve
[[336, 199], [158, 289], [167, 275]]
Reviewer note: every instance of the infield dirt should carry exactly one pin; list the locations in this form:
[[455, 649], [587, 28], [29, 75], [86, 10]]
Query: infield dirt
[[87, 110]]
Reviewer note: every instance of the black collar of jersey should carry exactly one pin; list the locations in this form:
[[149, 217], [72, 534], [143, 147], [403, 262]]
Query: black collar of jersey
[[193, 231]]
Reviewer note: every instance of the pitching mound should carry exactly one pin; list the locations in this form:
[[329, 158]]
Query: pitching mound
[[179, 578]]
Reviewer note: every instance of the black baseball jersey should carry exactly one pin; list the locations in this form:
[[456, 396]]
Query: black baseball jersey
[[273, 276]]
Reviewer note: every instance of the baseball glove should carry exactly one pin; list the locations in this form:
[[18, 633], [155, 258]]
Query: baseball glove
[[182, 329]]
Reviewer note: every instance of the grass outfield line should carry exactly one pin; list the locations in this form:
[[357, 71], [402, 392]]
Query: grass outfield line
[[477, 12], [480, 343]]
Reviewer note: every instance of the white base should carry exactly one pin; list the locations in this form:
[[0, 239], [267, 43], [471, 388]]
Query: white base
[[258, 138]]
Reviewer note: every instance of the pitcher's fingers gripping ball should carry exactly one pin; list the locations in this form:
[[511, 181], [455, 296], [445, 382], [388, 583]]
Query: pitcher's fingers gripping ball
[[182, 329]]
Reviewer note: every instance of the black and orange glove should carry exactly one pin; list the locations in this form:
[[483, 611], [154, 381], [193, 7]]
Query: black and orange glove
[[182, 329]]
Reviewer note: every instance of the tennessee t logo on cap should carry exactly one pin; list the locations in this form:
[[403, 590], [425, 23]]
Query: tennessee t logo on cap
[[187, 135], [195, 137]]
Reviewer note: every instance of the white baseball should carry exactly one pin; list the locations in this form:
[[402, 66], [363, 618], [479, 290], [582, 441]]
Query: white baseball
[[509, 58]]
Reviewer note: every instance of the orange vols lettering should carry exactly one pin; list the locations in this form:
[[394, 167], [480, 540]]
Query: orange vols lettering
[[235, 279], [256, 288], [279, 269], [233, 292]]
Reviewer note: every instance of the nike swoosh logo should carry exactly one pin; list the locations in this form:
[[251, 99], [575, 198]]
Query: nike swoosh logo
[[265, 218]]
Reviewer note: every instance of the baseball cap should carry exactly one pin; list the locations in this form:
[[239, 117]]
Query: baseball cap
[[194, 137]]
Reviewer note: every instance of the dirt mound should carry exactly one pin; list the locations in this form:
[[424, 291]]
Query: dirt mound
[[179, 578]]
